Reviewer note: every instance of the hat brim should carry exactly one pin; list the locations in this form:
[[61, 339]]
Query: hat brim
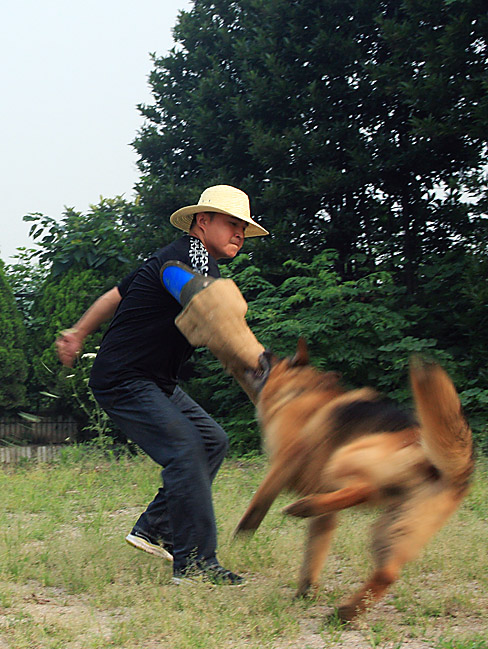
[[183, 218]]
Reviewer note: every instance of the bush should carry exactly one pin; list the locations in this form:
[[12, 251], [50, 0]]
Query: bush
[[364, 329], [13, 365]]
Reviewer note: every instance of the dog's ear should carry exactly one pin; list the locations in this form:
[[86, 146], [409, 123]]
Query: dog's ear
[[301, 355]]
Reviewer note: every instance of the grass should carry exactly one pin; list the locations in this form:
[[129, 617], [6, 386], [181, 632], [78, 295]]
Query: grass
[[68, 580]]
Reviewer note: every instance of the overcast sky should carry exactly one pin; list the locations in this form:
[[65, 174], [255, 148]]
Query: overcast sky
[[72, 75]]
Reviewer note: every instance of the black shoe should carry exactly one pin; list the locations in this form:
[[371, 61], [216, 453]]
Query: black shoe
[[214, 574], [143, 541]]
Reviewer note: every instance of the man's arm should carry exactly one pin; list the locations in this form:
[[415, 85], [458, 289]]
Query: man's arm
[[71, 340]]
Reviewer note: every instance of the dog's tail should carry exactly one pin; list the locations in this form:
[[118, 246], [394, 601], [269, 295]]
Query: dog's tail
[[446, 435]]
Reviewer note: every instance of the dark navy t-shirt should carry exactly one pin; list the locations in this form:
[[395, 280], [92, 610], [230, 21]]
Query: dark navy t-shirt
[[142, 340]]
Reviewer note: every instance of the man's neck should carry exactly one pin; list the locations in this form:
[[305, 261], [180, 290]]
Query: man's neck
[[197, 235]]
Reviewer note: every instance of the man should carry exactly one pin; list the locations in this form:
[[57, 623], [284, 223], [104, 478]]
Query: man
[[135, 379]]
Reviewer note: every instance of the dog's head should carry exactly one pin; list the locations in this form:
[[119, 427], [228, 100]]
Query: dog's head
[[257, 378], [295, 374]]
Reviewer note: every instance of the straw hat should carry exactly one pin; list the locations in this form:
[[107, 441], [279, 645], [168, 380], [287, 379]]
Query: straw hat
[[223, 199]]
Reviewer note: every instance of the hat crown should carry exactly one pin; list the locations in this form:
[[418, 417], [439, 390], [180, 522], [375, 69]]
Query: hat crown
[[223, 199], [228, 199]]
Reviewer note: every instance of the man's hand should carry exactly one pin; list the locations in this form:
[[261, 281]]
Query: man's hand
[[70, 341], [68, 345]]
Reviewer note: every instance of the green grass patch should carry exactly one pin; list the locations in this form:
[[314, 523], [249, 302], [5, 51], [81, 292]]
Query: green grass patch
[[68, 579]]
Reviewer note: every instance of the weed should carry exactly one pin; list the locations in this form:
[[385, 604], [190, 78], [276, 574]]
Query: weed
[[68, 579], [475, 642]]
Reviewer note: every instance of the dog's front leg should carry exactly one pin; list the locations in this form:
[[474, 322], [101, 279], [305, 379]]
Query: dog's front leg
[[277, 478]]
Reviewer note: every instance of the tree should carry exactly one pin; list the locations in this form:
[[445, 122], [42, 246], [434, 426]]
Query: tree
[[26, 276], [99, 239], [60, 304], [357, 127], [362, 329], [83, 255], [427, 74], [13, 366], [340, 119], [314, 302]]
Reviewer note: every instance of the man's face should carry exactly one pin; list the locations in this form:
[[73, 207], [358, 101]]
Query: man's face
[[223, 234]]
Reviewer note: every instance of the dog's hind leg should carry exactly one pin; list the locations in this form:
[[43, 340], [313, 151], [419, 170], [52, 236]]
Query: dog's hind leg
[[320, 531], [318, 504], [398, 537]]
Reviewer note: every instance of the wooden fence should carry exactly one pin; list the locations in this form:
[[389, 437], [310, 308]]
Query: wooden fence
[[10, 454], [45, 431]]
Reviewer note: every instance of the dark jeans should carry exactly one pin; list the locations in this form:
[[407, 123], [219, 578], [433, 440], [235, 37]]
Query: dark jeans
[[181, 437]]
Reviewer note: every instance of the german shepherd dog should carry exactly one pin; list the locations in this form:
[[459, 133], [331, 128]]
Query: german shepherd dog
[[339, 448]]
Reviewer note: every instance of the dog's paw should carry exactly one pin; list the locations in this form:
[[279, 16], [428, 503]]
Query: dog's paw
[[302, 508], [335, 620], [247, 525], [251, 520], [346, 613], [306, 590], [242, 531]]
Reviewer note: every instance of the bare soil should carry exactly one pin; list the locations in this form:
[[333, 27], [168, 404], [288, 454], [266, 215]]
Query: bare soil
[[382, 627]]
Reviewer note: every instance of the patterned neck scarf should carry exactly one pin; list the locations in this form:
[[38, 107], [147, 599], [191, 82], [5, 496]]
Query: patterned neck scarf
[[198, 256]]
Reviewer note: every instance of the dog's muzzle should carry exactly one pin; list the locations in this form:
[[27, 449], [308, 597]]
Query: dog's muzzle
[[258, 377]]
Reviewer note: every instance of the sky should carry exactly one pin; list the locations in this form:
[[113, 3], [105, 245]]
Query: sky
[[72, 75]]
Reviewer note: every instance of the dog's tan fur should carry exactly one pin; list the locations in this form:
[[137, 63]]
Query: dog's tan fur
[[340, 448]]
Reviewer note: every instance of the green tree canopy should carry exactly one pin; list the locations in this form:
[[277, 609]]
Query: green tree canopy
[[82, 256], [343, 120], [360, 328], [13, 365], [99, 239]]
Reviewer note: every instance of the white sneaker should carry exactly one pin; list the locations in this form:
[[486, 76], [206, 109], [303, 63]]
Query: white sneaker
[[143, 542]]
